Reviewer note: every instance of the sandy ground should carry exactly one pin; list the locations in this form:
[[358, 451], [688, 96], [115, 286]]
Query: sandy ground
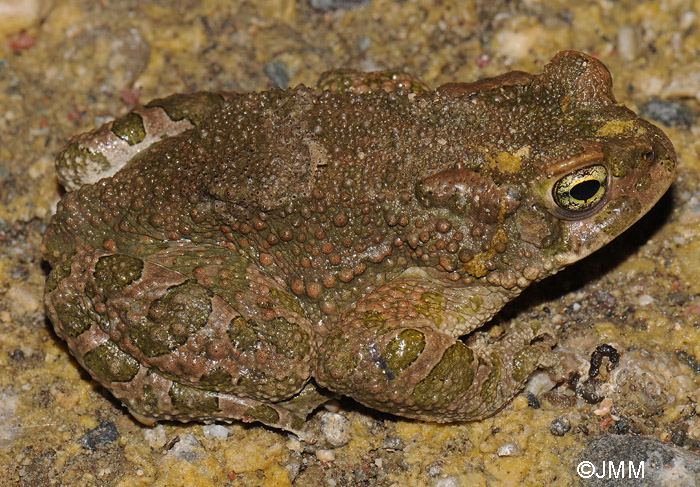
[[69, 65]]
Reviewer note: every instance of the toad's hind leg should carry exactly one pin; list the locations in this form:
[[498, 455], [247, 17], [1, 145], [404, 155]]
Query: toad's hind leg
[[389, 353], [187, 333]]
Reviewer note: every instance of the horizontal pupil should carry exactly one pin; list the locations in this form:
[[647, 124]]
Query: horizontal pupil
[[585, 190]]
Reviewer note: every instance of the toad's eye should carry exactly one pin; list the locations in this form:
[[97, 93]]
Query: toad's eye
[[581, 189]]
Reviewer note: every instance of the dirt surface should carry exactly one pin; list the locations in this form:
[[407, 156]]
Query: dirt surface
[[68, 66]]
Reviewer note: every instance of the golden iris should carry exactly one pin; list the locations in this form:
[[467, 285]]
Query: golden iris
[[582, 189]]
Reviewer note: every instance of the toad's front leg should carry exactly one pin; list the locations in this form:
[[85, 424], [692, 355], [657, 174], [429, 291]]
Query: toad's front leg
[[396, 351]]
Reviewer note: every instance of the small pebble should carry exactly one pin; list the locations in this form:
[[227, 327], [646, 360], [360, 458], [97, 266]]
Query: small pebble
[[392, 443], [188, 448], [559, 426], [622, 426], [508, 450], [539, 383], [215, 431], [532, 401], [336, 429], [364, 43], [434, 470], [104, 434], [687, 20], [604, 407], [325, 455], [333, 406], [155, 437], [295, 445]]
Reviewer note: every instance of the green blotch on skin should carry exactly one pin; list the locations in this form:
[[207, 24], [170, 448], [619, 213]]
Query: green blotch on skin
[[172, 319], [75, 159], [372, 319], [129, 128], [403, 350], [297, 422], [73, 318], [216, 380], [287, 301], [195, 107], [615, 128], [430, 307], [114, 272], [264, 414], [618, 215], [257, 384], [490, 385], [58, 273], [288, 339], [242, 335], [476, 302], [471, 306], [144, 402], [148, 401], [189, 400], [253, 382], [449, 379], [525, 363], [110, 363]]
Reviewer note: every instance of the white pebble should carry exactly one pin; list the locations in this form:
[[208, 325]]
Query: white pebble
[[508, 450], [155, 437], [215, 431], [295, 445], [325, 455], [336, 429]]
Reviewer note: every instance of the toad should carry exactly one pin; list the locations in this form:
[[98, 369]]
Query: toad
[[246, 255]]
